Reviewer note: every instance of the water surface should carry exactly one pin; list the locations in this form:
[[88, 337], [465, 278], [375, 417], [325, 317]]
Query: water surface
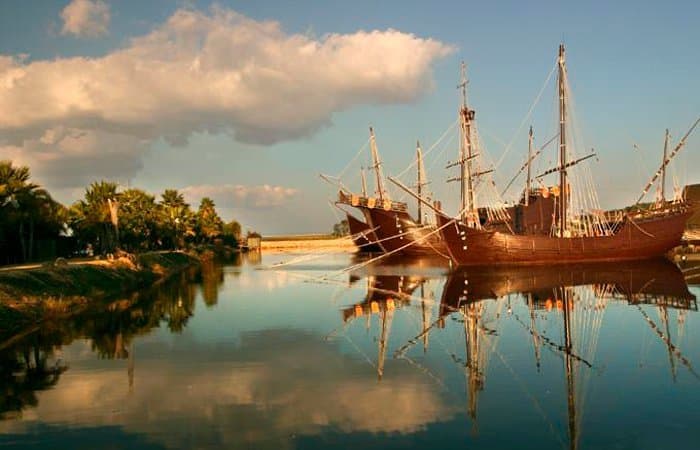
[[397, 355]]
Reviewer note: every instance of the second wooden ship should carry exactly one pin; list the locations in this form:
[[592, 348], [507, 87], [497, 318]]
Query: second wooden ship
[[589, 236], [388, 225]]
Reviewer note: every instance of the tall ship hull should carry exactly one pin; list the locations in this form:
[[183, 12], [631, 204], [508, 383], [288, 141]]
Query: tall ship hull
[[642, 238], [391, 228], [397, 232], [363, 236]]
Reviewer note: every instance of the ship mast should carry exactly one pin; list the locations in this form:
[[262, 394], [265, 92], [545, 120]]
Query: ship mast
[[535, 335], [421, 180], [528, 183], [377, 166], [569, 369], [363, 180], [466, 152], [563, 191], [663, 169], [425, 316], [667, 160], [473, 370], [387, 315]]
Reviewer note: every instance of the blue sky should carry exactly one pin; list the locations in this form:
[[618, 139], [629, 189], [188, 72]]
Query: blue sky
[[633, 68]]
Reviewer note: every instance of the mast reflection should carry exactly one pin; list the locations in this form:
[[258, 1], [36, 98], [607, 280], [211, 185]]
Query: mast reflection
[[578, 295], [385, 293]]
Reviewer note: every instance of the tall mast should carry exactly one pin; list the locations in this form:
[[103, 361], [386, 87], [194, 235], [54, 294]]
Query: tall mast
[[563, 191], [535, 335], [663, 168], [425, 316], [363, 180], [664, 319], [473, 369], [466, 151], [672, 155], [569, 368], [377, 166], [421, 180], [528, 183], [387, 315]]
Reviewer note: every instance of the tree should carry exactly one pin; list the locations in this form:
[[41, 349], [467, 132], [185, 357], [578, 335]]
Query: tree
[[209, 224], [139, 220], [176, 218], [91, 219], [341, 228], [27, 214], [15, 195], [232, 233]]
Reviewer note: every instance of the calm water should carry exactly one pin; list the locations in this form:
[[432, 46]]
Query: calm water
[[390, 356]]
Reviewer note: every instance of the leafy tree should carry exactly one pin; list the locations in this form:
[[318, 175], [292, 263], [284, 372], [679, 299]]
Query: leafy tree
[[27, 214], [32, 224], [209, 224], [91, 218], [232, 233], [176, 218], [138, 220], [341, 228]]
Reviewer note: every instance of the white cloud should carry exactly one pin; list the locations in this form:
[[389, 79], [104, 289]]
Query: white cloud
[[216, 71], [240, 196], [88, 18], [276, 385]]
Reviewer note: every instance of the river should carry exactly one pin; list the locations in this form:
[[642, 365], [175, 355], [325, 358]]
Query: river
[[403, 354]]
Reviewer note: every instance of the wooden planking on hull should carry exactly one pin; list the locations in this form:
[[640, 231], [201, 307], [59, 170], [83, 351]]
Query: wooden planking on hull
[[641, 239], [364, 238], [396, 229]]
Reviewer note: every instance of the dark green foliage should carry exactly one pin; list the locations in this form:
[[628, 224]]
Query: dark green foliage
[[231, 234], [209, 225], [341, 228], [176, 220], [30, 220], [90, 218], [34, 227]]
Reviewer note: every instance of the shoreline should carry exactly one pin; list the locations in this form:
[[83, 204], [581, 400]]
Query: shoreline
[[344, 244], [30, 295]]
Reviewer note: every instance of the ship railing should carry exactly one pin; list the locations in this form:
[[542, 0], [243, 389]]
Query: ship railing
[[668, 209], [371, 202]]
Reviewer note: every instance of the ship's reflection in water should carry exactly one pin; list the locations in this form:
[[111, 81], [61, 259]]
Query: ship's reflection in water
[[398, 355]]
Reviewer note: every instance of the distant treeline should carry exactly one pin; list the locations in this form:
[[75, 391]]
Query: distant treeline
[[35, 227]]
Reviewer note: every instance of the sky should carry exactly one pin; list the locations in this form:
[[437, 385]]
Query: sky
[[248, 101]]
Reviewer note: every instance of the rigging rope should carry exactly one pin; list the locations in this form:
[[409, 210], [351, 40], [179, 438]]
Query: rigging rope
[[527, 116], [432, 147], [347, 166]]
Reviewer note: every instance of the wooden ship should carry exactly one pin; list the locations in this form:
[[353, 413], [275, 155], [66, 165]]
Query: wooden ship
[[585, 235], [388, 223], [362, 234]]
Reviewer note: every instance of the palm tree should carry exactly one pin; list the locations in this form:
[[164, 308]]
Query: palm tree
[[24, 206], [91, 218], [13, 181], [176, 217], [209, 224]]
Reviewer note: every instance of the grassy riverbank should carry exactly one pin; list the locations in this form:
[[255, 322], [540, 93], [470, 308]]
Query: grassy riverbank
[[29, 295]]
